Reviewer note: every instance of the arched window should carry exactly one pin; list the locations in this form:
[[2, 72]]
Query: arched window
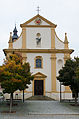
[[60, 64], [38, 62]]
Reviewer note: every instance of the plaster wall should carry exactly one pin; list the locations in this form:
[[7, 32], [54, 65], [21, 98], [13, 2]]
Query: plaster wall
[[31, 35], [18, 43], [58, 44], [59, 65], [45, 70]]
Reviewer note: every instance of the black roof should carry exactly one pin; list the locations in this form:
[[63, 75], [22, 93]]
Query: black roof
[[15, 36]]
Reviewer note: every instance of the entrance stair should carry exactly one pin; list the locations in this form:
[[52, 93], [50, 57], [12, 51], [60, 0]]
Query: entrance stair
[[40, 98]]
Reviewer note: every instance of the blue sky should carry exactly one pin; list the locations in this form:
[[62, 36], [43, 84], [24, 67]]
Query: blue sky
[[64, 13]]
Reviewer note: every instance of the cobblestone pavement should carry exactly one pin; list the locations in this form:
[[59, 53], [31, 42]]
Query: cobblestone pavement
[[41, 117], [41, 110]]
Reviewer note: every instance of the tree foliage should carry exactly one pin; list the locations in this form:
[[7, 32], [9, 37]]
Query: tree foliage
[[69, 75], [14, 75]]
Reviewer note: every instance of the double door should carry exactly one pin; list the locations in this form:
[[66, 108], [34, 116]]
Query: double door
[[38, 87]]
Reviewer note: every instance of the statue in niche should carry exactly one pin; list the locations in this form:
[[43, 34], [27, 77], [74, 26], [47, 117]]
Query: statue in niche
[[38, 39]]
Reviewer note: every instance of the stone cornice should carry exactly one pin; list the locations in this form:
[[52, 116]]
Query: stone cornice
[[50, 26], [38, 16], [38, 50]]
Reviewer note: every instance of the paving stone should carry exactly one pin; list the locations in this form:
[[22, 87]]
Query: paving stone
[[40, 110]]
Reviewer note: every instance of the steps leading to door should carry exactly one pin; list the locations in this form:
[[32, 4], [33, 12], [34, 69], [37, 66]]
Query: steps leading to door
[[39, 98]]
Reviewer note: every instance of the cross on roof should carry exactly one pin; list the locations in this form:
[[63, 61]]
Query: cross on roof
[[38, 9]]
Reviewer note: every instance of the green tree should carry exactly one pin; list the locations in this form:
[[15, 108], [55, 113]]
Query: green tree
[[68, 76], [14, 75]]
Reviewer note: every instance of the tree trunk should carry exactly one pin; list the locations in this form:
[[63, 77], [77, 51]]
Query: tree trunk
[[11, 96], [75, 98], [23, 95]]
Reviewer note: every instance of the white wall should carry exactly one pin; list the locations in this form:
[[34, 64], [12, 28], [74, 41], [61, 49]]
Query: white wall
[[45, 70], [59, 65], [18, 43], [45, 38], [58, 44]]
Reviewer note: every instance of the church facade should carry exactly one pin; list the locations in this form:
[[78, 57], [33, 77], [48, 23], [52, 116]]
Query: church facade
[[40, 46]]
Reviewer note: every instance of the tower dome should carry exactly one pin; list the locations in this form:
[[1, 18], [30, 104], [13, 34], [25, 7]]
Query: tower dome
[[15, 36]]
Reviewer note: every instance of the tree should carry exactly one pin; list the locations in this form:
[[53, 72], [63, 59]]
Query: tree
[[14, 75], [69, 76], [77, 78]]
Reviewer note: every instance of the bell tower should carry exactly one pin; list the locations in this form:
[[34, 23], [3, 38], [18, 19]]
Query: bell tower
[[15, 36]]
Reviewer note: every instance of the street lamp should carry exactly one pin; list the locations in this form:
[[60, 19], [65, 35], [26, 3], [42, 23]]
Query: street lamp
[[60, 93]]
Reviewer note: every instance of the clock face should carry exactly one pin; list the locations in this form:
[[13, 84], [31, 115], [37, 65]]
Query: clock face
[[38, 21]]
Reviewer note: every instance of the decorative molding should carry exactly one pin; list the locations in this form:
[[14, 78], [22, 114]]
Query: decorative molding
[[66, 42], [23, 38], [47, 21], [39, 76], [25, 91], [24, 44], [50, 26], [53, 72], [58, 92], [53, 58], [38, 21], [52, 38], [58, 38], [66, 51], [67, 90], [10, 41]]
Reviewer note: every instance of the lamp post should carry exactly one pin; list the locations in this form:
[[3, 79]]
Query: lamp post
[[60, 93], [23, 95]]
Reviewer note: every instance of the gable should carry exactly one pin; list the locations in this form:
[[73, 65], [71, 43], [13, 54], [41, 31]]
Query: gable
[[38, 21], [34, 22], [39, 75]]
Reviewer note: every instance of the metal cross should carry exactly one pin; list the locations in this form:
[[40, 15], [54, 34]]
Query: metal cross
[[38, 9]]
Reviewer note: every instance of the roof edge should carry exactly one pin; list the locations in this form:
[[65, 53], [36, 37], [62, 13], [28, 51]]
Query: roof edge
[[49, 22], [39, 50], [58, 38]]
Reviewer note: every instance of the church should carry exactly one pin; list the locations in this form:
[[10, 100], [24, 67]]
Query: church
[[41, 47]]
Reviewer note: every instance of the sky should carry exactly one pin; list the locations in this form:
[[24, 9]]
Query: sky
[[64, 13]]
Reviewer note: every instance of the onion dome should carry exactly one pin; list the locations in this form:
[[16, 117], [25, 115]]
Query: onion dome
[[15, 36]]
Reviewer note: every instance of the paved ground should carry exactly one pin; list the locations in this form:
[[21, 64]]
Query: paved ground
[[41, 110], [40, 117]]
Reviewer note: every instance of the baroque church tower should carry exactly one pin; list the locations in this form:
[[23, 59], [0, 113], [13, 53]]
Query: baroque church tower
[[40, 46]]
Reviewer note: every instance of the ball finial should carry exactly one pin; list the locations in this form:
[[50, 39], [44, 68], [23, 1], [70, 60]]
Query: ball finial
[[65, 34]]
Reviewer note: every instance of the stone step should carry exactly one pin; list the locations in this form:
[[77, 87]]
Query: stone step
[[39, 98]]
